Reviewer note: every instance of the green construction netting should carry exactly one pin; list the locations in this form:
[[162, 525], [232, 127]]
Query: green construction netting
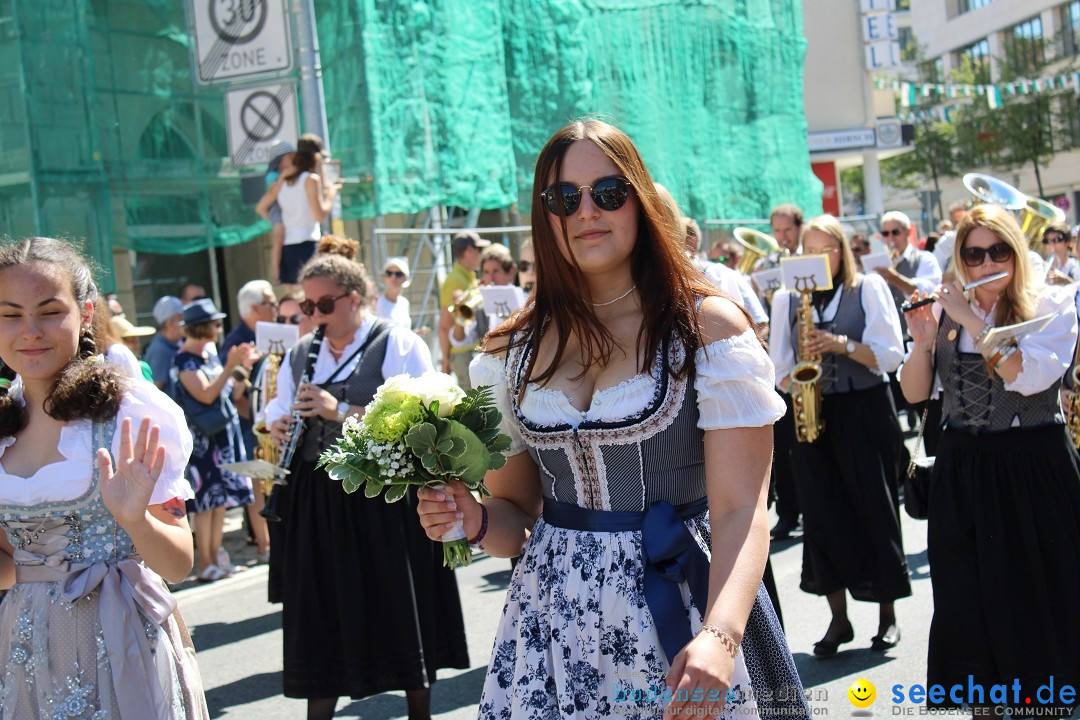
[[430, 102], [711, 91]]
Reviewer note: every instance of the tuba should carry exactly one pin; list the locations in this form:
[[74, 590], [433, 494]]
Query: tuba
[[1033, 214], [1072, 410], [756, 245], [805, 378]]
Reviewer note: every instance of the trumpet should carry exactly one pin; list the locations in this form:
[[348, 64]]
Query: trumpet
[[464, 310], [756, 245]]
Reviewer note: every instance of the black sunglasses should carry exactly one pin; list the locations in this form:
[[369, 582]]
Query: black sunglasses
[[609, 194], [325, 305], [525, 266], [894, 231], [1055, 239], [974, 256], [395, 273], [290, 320]]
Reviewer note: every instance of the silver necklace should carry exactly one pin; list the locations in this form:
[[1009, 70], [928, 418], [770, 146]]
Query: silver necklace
[[612, 302]]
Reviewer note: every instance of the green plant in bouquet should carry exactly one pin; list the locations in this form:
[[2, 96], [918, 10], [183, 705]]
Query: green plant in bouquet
[[421, 432]]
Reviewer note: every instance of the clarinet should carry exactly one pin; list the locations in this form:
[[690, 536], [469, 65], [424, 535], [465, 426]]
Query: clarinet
[[296, 432]]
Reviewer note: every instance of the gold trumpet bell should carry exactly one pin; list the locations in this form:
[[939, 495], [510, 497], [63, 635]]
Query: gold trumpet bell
[[1035, 217], [989, 189], [756, 245]]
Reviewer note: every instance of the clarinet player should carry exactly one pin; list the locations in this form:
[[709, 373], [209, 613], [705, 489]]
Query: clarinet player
[[847, 490], [367, 605], [1004, 496]]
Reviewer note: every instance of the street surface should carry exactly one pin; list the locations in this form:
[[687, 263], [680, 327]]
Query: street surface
[[238, 637]]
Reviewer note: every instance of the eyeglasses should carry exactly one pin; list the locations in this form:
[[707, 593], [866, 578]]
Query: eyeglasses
[[525, 266], [608, 194], [1055, 239], [895, 231], [290, 320], [395, 273], [975, 256], [325, 304]]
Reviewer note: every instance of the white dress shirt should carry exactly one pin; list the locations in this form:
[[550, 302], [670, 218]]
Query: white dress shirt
[[738, 287], [406, 354], [882, 332], [928, 273], [1046, 354]]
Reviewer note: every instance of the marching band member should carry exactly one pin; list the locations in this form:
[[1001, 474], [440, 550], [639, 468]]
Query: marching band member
[[847, 477], [1004, 496]]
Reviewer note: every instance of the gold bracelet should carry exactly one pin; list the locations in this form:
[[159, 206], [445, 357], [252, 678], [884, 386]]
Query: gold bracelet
[[726, 640]]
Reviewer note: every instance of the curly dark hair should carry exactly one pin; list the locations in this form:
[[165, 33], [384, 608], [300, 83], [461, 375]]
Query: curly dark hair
[[85, 387]]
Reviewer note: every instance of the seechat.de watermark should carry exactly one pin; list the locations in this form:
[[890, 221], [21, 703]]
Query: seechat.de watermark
[[980, 700]]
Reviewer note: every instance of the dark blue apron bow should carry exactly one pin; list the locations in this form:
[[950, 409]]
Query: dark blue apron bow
[[671, 556]]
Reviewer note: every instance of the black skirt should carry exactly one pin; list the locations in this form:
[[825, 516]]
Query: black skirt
[[367, 605], [1004, 547], [847, 486]]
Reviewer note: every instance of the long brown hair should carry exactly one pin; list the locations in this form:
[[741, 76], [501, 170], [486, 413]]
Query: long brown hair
[[667, 282]]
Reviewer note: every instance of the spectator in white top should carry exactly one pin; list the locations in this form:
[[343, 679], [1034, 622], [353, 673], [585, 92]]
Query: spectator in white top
[[304, 201], [392, 305]]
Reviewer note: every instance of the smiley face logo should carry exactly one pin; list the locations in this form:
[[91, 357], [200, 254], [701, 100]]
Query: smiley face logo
[[862, 693]]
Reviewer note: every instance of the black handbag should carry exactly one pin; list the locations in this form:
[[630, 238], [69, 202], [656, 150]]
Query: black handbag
[[917, 481], [209, 419]]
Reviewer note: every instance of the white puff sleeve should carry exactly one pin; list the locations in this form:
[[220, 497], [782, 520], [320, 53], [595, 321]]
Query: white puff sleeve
[[735, 384], [490, 370], [141, 400], [1048, 353]]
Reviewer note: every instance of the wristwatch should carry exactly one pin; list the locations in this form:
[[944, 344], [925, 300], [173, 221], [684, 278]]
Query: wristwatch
[[342, 411], [850, 346]]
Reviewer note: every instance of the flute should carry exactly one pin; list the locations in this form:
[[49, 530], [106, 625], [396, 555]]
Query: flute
[[909, 306]]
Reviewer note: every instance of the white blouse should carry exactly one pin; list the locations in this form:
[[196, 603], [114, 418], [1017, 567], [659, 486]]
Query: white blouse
[[882, 332], [733, 383], [69, 478], [1047, 354], [119, 355], [398, 312], [405, 353]]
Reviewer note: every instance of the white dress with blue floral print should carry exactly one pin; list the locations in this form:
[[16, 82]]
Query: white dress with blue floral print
[[577, 639]]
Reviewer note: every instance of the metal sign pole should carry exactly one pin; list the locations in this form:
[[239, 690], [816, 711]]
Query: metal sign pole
[[312, 100]]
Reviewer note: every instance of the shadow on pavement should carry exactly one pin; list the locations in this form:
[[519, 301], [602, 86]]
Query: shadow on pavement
[[243, 691], [446, 696], [815, 671], [212, 635]]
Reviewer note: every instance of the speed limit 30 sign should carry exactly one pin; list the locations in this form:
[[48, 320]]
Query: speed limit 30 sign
[[240, 39]]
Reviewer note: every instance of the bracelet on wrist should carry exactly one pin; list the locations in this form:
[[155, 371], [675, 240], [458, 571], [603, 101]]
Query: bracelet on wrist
[[1005, 355], [725, 639], [982, 334], [483, 528]]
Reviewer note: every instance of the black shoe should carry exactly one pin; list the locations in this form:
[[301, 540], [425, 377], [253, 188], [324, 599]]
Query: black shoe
[[783, 527], [827, 648], [886, 641]]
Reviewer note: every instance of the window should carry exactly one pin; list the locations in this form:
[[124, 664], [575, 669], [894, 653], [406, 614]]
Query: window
[[978, 54], [1070, 27], [1024, 51], [964, 6]]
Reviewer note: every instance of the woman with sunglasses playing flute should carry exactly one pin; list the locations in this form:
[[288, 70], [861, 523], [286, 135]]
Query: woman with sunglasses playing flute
[[367, 605], [1004, 501], [641, 407]]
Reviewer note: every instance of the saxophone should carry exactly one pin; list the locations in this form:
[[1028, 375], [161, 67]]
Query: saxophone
[[266, 449], [270, 509], [1072, 412], [805, 392]]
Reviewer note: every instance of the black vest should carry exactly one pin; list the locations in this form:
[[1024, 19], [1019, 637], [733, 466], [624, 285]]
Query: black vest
[[355, 389], [839, 373], [974, 402]]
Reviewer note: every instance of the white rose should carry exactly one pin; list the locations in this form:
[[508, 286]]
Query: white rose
[[432, 386]]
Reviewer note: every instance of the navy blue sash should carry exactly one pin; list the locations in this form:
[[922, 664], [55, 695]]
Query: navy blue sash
[[671, 556]]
